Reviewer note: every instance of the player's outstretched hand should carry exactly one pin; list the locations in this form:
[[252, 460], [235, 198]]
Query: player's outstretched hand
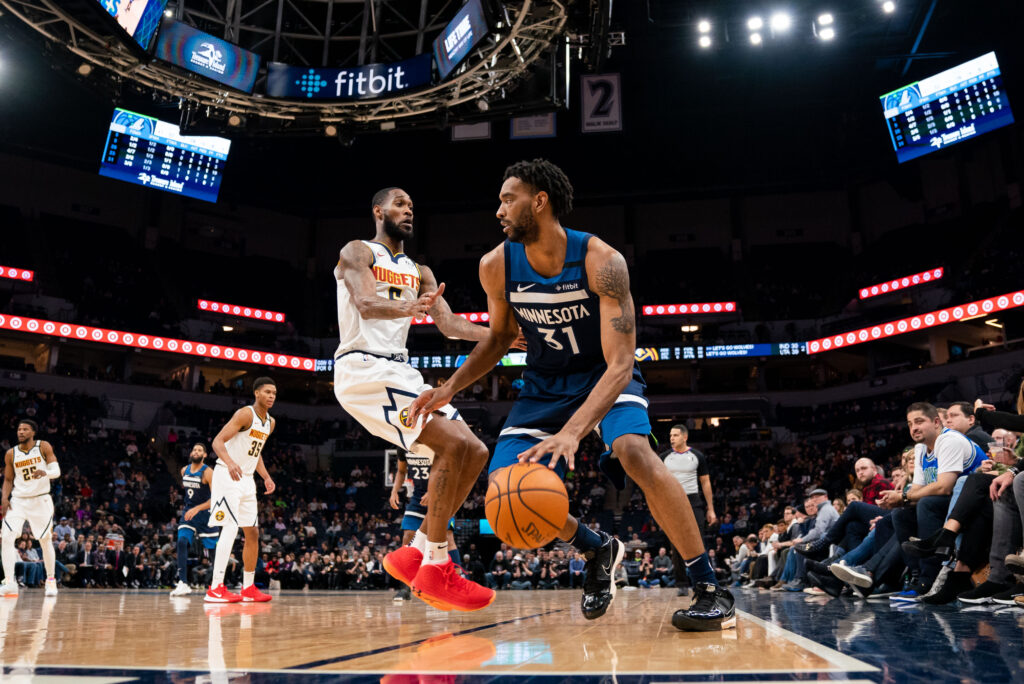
[[268, 484], [520, 342], [427, 403], [425, 302], [559, 446]]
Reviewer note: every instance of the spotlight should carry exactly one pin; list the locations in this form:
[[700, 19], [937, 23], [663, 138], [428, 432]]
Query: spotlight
[[825, 19], [755, 38], [236, 120], [705, 42], [827, 33], [330, 130], [888, 6], [84, 69], [483, 105], [168, 13], [780, 22], [755, 23], [704, 26], [227, 328]]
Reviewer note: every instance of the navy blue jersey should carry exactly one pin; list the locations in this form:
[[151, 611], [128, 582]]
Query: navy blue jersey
[[559, 316], [195, 491], [417, 469]]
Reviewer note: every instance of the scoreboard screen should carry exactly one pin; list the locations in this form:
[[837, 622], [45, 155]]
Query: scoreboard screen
[[154, 154], [949, 107], [138, 18]]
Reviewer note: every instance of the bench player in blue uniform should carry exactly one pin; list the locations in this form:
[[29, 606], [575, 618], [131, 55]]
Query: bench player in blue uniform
[[416, 469], [568, 292], [195, 517]]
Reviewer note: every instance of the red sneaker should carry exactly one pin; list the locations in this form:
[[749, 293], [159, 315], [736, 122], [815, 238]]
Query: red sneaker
[[443, 587], [251, 594], [403, 563], [220, 594]]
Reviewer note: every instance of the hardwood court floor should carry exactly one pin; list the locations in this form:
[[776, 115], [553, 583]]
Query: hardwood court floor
[[321, 636]]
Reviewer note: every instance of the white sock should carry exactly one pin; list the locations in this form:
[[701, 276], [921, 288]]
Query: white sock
[[420, 541], [10, 557], [437, 553], [248, 578], [49, 555], [223, 554]]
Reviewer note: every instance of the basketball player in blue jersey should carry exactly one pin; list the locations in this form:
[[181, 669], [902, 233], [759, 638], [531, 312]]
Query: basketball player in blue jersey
[[196, 480], [568, 292]]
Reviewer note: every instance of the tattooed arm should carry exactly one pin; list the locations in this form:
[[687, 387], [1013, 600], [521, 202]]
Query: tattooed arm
[[609, 279]]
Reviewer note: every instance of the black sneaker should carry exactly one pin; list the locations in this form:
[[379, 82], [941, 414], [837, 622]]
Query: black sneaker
[[946, 587], [815, 550], [403, 594], [982, 593], [821, 567], [827, 583], [1006, 597], [599, 577], [713, 609], [941, 544]]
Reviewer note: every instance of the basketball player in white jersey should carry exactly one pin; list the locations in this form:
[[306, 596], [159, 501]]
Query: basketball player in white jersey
[[233, 491], [380, 291], [28, 469]]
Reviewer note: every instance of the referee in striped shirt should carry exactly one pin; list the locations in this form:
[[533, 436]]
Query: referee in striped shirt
[[690, 467]]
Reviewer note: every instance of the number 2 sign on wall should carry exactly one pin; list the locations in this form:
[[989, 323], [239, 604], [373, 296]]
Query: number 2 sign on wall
[[602, 103]]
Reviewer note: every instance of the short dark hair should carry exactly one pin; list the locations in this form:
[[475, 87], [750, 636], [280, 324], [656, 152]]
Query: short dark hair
[[201, 445], [260, 382], [544, 176], [381, 196], [31, 423], [965, 407], [924, 407], [682, 428]]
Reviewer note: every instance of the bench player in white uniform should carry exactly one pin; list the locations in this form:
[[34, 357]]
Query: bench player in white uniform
[[380, 290], [28, 469], [233, 491]]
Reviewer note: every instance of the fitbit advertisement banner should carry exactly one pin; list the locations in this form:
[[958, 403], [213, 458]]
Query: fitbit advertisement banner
[[356, 83], [203, 54]]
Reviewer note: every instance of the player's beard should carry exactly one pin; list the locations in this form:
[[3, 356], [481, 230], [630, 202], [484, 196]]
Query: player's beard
[[24, 441], [196, 460], [524, 228], [396, 231]]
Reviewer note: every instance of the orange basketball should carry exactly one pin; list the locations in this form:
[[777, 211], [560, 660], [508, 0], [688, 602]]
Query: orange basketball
[[526, 505]]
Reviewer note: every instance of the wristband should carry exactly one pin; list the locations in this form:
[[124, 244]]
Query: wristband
[[906, 499]]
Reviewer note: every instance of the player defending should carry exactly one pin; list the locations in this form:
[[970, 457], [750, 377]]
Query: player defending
[[196, 479], [28, 469], [233, 491], [569, 293], [380, 290], [416, 470]]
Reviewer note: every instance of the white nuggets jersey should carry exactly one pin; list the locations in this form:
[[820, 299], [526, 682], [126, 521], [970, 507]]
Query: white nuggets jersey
[[398, 277], [24, 465], [245, 447]]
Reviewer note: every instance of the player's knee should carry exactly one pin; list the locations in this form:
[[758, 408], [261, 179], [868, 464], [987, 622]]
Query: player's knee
[[476, 453], [637, 458]]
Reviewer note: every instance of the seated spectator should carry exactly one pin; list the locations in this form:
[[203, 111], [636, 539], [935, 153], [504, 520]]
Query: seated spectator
[[498, 575]]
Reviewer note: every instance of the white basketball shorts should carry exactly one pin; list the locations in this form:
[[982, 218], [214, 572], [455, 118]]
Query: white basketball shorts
[[231, 500], [377, 392], [37, 510]]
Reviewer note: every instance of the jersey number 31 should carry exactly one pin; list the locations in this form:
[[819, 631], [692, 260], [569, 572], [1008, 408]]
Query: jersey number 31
[[549, 337]]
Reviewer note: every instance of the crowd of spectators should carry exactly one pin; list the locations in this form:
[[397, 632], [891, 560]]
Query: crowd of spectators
[[119, 501]]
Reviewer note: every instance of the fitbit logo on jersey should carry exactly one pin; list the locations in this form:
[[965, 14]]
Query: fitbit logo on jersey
[[358, 83]]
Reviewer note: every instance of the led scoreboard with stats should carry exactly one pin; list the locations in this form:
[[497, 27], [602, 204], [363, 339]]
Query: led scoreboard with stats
[[949, 107], [153, 153]]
